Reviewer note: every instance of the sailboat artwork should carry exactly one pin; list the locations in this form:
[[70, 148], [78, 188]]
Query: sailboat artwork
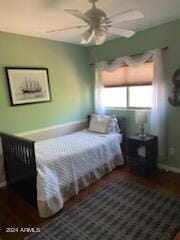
[[30, 88], [28, 85]]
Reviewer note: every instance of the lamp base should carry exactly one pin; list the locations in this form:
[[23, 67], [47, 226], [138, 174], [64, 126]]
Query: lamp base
[[93, 1], [142, 135], [142, 131]]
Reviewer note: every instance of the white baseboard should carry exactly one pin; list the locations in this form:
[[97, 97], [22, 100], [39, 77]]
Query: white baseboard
[[168, 168]]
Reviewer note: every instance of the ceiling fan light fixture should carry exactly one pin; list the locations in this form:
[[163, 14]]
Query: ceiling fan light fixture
[[100, 36], [100, 24], [87, 36]]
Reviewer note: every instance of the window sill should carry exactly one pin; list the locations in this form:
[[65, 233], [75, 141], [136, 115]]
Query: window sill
[[126, 108]]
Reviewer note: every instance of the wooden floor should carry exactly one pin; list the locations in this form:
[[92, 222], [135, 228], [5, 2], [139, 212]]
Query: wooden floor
[[15, 212]]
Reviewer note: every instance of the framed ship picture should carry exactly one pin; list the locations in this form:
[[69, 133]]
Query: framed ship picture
[[28, 85]]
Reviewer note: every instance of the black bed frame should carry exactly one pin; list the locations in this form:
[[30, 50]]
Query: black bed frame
[[20, 163], [20, 166]]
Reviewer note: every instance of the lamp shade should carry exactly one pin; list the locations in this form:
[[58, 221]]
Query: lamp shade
[[141, 117], [87, 36], [100, 36]]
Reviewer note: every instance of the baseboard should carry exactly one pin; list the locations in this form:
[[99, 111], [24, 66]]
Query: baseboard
[[3, 184], [168, 168]]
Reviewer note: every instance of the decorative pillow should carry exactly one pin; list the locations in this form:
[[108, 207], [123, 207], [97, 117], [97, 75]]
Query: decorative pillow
[[100, 124], [115, 127], [103, 124]]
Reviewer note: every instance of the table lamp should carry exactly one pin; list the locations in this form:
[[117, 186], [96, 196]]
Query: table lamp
[[141, 119]]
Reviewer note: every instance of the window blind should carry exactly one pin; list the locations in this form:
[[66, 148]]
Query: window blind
[[129, 76]]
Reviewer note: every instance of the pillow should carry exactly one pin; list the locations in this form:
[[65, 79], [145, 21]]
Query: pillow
[[115, 126], [103, 124], [100, 124]]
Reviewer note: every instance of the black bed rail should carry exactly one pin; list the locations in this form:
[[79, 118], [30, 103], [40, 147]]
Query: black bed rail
[[20, 165]]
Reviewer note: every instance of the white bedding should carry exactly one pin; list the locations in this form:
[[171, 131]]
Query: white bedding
[[67, 164]]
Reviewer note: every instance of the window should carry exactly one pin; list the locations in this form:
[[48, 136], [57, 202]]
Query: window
[[115, 97], [140, 96], [128, 86]]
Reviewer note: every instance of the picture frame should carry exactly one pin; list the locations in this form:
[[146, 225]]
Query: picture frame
[[28, 85]]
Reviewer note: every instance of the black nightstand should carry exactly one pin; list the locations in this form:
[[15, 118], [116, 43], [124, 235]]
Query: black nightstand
[[142, 155]]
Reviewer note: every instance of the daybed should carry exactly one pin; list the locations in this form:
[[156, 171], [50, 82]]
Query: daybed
[[49, 172]]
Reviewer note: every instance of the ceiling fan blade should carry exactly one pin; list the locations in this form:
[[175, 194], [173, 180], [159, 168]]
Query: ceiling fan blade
[[78, 14], [67, 28], [121, 32], [126, 16]]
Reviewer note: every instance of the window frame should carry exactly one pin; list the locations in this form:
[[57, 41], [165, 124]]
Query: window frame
[[128, 96]]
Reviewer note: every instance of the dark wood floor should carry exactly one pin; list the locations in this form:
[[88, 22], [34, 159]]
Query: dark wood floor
[[15, 212]]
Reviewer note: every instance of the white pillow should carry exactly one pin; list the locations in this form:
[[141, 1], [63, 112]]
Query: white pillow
[[115, 125], [100, 124]]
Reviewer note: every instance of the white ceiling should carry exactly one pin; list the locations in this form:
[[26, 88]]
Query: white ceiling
[[35, 17]]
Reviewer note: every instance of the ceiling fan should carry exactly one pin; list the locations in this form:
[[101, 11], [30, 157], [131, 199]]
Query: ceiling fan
[[99, 25]]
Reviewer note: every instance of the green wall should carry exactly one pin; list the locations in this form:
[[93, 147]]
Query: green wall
[[161, 36], [70, 82]]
